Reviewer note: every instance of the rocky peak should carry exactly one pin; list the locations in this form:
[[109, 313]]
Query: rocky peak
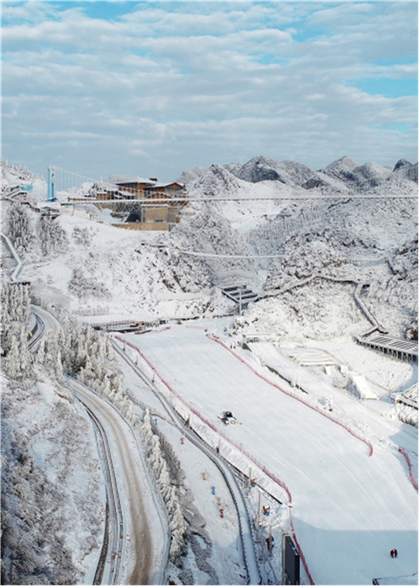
[[340, 167], [217, 181], [265, 169], [401, 163]]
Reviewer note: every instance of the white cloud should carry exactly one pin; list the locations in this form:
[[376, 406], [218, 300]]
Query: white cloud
[[224, 80]]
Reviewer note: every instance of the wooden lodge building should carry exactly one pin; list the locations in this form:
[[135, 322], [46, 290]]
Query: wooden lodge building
[[156, 211]]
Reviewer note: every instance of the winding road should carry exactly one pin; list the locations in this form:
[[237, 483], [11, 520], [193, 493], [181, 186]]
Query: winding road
[[134, 553], [128, 468]]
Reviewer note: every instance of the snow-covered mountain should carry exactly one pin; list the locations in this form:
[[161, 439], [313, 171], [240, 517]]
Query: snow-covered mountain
[[21, 176], [276, 214], [342, 176], [264, 169], [306, 241], [189, 176], [405, 170], [217, 180]]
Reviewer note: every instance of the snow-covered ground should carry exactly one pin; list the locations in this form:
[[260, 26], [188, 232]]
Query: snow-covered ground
[[348, 508], [346, 505]]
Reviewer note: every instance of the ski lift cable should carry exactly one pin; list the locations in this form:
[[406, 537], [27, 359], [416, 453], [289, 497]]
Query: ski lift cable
[[209, 254], [217, 199], [214, 255]]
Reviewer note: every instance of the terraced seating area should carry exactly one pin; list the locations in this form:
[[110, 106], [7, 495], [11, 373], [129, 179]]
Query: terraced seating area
[[403, 349]]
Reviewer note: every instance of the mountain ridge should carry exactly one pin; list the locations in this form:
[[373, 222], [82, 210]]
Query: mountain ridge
[[342, 176]]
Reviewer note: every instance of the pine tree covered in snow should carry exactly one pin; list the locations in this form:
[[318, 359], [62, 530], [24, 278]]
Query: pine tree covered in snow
[[44, 449], [19, 228], [15, 303], [52, 236], [40, 353], [11, 363], [82, 236], [167, 472], [84, 287], [16, 307]]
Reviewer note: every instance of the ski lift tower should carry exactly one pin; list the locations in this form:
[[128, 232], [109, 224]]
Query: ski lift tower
[[51, 183]]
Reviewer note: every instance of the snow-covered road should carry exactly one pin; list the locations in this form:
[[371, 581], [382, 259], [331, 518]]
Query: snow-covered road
[[145, 551], [349, 509], [107, 571]]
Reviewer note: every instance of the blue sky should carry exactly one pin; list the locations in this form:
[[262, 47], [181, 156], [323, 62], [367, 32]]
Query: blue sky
[[156, 88]]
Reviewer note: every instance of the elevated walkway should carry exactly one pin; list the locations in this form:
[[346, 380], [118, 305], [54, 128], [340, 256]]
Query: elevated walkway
[[371, 318], [377, 337]]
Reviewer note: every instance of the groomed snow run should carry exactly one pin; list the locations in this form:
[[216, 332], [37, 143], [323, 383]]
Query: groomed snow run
[[349, 509]]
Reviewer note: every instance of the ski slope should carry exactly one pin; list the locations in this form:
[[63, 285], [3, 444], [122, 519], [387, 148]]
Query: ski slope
[[349, 509]]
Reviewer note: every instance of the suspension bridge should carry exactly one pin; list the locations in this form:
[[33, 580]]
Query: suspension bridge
[[63, 180]]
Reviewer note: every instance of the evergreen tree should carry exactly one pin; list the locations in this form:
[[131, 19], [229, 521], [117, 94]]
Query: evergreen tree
[[53, 238], [19, 228], [25, 355], [40, 353], [106, 388], [12, 360], [58, 370]]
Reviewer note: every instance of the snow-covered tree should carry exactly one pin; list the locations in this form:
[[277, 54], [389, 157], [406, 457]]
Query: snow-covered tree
[[412, 331], [18, 361], [19, 228], [164, 480], [52, 236], [82, 236], [40, 353], [147, 429], [178, 530], [12, 360], [106, 388], [25, 356], [58, 368], [51, 349], [84, 287]]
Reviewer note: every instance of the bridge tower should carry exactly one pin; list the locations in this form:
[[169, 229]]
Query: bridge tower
[[51, 183]]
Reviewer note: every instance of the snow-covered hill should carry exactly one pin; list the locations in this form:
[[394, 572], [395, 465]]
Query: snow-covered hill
[[305, 241], [52, 495], [149, 273], [264, 169], [20, 176], [342, 176]]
